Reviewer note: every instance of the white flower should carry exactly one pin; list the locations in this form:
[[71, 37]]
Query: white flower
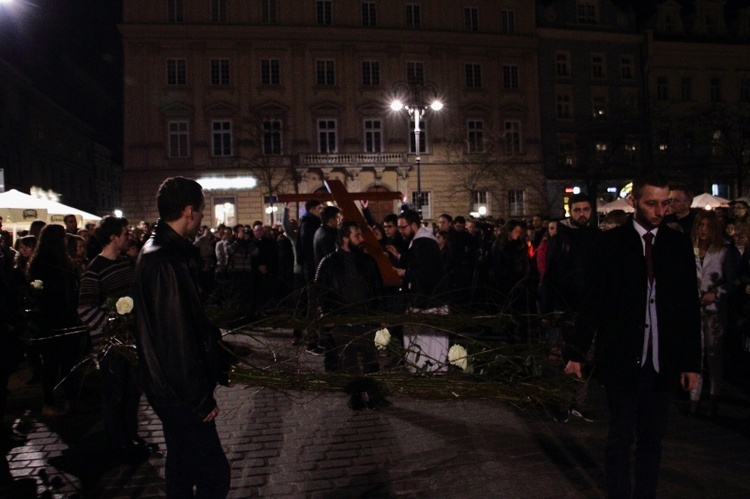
[[382, 338], [37, 284], [124, 305], [457, 356]]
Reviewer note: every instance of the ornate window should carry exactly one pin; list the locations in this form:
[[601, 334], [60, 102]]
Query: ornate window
[[176, 72], [179, 139], [221, 138]]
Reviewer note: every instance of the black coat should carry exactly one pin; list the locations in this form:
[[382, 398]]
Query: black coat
[[308, 224], [58, 299], [424, 283], [178, 347], [616, 308], [569, 274]]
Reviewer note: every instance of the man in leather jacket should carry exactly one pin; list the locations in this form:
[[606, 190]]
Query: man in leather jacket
[[178, 347], [348, 287]]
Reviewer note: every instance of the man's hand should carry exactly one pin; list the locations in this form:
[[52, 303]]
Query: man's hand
[[573, 368], [708, 298], [689, 381], [211, 415], [392, 250]]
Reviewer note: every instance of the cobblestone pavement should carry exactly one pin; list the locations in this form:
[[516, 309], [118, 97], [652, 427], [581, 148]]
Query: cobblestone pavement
[[311, 444]]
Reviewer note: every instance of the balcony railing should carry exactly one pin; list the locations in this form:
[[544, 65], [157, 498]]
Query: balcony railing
[[354, 159]]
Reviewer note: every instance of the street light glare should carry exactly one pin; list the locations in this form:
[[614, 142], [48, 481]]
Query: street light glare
[[397, 105], [436, 105]]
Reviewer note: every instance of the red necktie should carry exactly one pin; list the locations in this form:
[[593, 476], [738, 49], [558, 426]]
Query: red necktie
[[649, 254], [649, 238]]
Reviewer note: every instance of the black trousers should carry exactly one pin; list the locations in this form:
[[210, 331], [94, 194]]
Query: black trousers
[[194, 456], [120, 399], [639, 417], [354, 344]]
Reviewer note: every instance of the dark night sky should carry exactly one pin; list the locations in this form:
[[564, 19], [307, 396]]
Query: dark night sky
[[72, 50]]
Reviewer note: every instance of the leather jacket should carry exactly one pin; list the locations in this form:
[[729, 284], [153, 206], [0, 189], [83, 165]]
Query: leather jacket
[[335, 295], [324, 242], [179, 351]]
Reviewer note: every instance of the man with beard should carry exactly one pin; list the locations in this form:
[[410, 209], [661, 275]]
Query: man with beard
[[424, 286], [644, 309], [178, 346], [567, 279], [349, 284]]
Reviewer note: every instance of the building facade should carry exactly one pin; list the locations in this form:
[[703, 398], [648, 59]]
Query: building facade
[[541, 99], [592, 97], [295, 93], [698, 77]]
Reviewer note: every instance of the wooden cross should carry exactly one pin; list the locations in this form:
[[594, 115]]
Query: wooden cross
[[345, 201]]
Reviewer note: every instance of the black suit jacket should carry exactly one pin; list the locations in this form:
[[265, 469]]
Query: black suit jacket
[[616, 308]]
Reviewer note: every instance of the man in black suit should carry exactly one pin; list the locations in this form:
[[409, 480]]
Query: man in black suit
[[643, 308]]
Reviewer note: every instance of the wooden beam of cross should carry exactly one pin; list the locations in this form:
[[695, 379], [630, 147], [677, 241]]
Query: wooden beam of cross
[[345, 201]]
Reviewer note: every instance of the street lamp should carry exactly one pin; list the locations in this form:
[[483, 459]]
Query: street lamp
[[411, 96]]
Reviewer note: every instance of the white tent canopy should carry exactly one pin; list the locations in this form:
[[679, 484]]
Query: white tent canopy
[[617, 204], [19, 210], [706, 199]]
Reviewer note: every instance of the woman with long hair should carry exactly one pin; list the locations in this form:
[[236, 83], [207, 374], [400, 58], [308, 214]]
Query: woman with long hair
[[19, 285], [510, 267], [716, 267], [444, 243], [541, 252], [76, 246], [60, 337]]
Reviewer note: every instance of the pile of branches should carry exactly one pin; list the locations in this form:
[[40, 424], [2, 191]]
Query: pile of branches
[[506, 357]]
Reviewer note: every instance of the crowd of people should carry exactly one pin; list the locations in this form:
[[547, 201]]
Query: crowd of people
[[58, 283], [530, 268]]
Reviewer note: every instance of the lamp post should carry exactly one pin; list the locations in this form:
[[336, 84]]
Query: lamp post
[[411, 97]]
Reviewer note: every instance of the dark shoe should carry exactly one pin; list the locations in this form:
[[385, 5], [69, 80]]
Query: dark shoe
[[132, 454], [315, 350], [10, 439], [713, 408], [50, 412], [561, 417], [140, 441], [693, 409], [24, 488], [587, 416]]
